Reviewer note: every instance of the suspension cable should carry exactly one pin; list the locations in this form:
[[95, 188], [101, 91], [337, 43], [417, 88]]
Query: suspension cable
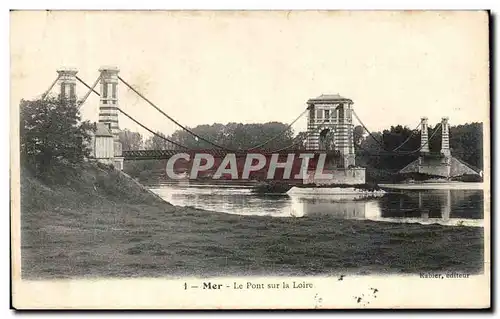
[[170, 118], [91, 89], [427, 142], [88, 87], [50, 87], [367, 130], [279, 134], [409, 137], [383, 153], [287, 147], [307, 134], [151, 131], [392, 153], [134, 120]]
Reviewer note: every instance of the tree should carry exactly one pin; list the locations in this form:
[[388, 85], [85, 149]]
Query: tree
[[237, 136], [300, 140], [130, 140], [52, 135], [466, 143], [157, 143]]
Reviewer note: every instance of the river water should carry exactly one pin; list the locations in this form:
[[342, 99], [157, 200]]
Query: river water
[[447, 206]]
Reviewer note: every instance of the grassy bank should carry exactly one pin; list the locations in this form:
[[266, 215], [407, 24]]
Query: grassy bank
[[100, 223]]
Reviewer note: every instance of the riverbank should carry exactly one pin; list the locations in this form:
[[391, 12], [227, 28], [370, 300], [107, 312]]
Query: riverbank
[[103, 224], [444, 185]]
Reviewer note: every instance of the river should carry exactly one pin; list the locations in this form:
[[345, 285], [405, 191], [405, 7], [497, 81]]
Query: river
[[452, 206]]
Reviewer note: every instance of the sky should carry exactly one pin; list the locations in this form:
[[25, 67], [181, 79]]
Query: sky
[[255, 67]]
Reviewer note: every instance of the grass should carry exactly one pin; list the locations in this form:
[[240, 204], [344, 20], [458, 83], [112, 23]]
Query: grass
[[105, 225]]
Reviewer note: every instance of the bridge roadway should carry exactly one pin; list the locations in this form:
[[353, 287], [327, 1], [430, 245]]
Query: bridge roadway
[[333, 159], [217, 153]]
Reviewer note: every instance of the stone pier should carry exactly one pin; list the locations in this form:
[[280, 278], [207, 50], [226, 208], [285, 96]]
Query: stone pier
[[441, 164], [330, 128]]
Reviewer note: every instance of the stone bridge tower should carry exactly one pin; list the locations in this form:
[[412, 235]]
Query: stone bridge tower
[[440, 163], [445, 137], [424, 135], [331, 114], [67, 83], [105, 143], [108, 105]]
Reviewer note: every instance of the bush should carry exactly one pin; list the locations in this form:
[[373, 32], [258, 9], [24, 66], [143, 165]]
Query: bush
[[52, 137]]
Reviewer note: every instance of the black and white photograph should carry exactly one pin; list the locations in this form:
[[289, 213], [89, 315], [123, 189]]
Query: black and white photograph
[[250, 159]]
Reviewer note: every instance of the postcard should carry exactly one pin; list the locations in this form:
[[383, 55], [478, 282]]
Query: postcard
[[250, 159]]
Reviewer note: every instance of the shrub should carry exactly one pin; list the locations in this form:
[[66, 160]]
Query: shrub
[[52, 137]]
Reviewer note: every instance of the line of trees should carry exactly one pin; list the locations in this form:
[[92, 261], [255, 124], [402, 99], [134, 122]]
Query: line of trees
[[465, 141], [52, 136], [231, 135]]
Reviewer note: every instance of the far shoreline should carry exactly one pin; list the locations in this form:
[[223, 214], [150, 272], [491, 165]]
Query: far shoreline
[[440, 185]]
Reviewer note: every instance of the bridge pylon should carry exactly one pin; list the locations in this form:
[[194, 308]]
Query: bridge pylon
[[445, 137], [424, 135], [108, 109], [108, 103], [105, 143], [331, 114], [67, 83], [441, 163]]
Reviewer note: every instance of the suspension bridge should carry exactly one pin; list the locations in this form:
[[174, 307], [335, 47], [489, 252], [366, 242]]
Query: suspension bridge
[[328, 114]]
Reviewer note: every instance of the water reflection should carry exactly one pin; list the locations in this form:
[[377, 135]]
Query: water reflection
[[447, 207]]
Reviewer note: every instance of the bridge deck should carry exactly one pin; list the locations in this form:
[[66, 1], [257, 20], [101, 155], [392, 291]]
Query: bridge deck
[[165, 154]]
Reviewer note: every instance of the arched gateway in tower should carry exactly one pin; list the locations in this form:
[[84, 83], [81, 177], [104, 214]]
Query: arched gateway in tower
[[330, 126]]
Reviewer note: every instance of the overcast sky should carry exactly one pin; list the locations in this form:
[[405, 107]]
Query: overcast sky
[[206, 67]]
